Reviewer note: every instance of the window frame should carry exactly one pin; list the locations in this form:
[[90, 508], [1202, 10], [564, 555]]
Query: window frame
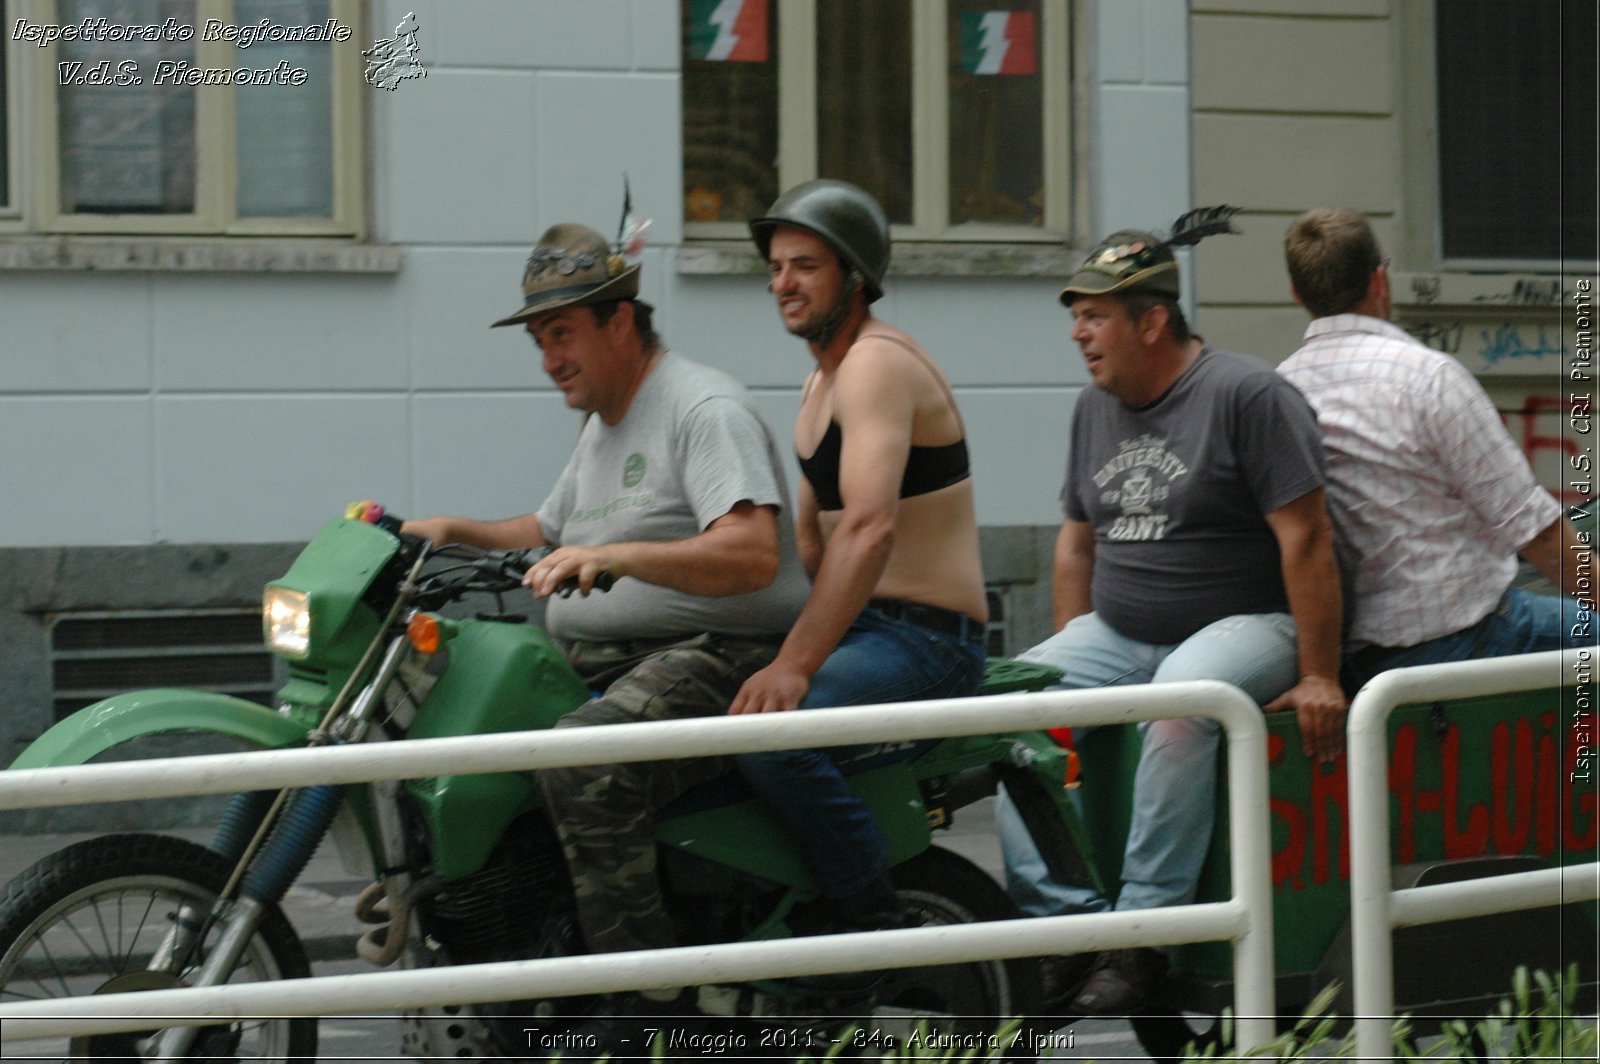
[[11, 144], [216, 133], [797, 132], [1418, 112]]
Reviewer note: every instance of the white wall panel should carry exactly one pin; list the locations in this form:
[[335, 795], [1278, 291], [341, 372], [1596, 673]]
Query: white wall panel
[[1018, 442], [991, 330], [75, 471], [656, 35], [461, 162], [278, 332], [592, 129], [274, 468], [92, 336], [451, 296], [489, 455], [576, 34]]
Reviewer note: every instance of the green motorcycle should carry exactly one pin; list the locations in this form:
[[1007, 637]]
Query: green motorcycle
[[471, 870]]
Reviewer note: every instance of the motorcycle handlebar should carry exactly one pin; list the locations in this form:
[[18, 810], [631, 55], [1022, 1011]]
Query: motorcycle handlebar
[[510, 565], [514, 565]]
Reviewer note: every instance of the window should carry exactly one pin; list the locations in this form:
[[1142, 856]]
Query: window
[[953, 113], [197, 117], [1516, 114]]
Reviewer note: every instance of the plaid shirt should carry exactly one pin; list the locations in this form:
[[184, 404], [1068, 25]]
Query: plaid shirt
[[1431, 498]]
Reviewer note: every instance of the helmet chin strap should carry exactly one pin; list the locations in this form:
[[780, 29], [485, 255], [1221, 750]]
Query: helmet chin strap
[[827, 330]]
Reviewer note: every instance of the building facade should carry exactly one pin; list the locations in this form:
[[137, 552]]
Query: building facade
[[255, 284]]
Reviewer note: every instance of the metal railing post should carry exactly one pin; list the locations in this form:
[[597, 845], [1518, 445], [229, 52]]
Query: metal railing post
[[1376, 909]]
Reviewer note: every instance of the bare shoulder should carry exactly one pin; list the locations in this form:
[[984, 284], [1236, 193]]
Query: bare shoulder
[[889, 356]]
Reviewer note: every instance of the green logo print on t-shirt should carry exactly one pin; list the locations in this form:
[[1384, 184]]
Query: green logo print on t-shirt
[[633, 470]]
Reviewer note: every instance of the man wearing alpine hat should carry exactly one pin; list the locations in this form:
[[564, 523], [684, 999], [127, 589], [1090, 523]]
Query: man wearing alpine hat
[[1196, 545], [676, 490]]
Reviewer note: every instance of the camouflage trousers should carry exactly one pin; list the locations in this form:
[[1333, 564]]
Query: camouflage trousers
[[606, 814]]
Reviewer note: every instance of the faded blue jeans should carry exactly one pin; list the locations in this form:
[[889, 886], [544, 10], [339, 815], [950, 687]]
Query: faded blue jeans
[[1174, 793], [880, 659], [1522, 623]]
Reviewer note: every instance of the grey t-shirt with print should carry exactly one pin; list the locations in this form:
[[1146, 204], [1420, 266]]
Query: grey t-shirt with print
[[691, 446], [1177, 493]]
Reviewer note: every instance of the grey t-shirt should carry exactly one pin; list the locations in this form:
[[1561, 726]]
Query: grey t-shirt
[[1177, 492], [691, 446]]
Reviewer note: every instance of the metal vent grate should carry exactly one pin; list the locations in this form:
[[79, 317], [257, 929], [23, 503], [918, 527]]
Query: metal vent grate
[[96, 655]]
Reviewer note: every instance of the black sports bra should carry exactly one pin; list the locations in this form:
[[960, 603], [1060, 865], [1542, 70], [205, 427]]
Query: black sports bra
[[927, 468]]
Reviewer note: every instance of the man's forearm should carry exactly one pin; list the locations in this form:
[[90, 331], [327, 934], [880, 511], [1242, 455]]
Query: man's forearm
[[1555, 553], [706, 565], [513, 533], [1072, 572], [736, 555], [852, 564], [1311, 582]]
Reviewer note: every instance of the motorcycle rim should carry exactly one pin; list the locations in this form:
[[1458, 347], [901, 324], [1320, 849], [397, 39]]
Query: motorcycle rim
[[86, 919]]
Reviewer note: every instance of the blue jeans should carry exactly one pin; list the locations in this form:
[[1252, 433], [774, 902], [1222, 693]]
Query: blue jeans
[[1522, 623], [1174, 791], [880, 659]]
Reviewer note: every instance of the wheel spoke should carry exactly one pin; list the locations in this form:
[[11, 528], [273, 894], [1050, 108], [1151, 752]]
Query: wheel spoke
[[144, 918], [55, 969]]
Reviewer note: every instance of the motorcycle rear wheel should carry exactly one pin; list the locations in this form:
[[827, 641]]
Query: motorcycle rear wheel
[[86, 919]]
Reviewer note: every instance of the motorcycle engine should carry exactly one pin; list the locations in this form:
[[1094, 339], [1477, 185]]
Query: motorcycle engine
[[518, 906]]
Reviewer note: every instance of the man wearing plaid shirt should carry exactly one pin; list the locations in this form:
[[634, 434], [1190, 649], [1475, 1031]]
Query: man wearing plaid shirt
[[1431, 498]]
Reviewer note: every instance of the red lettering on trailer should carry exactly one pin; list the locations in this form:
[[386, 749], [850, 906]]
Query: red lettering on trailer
[[1527, 809]]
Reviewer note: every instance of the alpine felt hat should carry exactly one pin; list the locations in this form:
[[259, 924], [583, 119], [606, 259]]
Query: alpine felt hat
[[572, 266]]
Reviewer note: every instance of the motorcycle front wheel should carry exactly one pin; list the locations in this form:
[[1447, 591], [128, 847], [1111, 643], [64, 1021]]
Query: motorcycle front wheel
[[89, 918]]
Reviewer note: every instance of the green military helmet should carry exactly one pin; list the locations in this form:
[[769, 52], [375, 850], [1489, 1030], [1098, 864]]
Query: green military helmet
[[846, 216]]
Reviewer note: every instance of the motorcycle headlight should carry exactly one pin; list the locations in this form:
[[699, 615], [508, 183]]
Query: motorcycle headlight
[[286, 621]]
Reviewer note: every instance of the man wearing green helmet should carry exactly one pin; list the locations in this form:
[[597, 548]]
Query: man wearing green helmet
[[887, 529], [1196, 545]]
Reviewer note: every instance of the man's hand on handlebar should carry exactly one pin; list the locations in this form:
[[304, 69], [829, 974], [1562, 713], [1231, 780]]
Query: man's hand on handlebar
[[568, 569], [435, 529]]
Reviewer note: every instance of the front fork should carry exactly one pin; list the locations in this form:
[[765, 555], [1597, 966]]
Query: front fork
[[263, 872], [302, 825]]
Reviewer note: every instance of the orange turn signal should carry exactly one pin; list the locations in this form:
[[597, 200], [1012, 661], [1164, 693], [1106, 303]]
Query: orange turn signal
[[1072, 770], [423, 631]]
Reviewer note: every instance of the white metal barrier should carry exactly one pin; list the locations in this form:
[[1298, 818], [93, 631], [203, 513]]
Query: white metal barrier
[[1376, 910], [1245, 919]]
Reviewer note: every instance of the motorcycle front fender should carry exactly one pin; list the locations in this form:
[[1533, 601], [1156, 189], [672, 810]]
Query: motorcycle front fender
[[95, 729]]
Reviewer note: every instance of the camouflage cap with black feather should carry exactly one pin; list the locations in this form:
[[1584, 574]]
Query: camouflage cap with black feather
[[1135, 259]]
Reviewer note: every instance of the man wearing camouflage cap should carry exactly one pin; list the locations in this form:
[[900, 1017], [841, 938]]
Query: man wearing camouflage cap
[[1196, 545], [676, 490]]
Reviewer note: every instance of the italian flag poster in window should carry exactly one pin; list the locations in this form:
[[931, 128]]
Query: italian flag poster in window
[[728, 31], [998, 42]]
